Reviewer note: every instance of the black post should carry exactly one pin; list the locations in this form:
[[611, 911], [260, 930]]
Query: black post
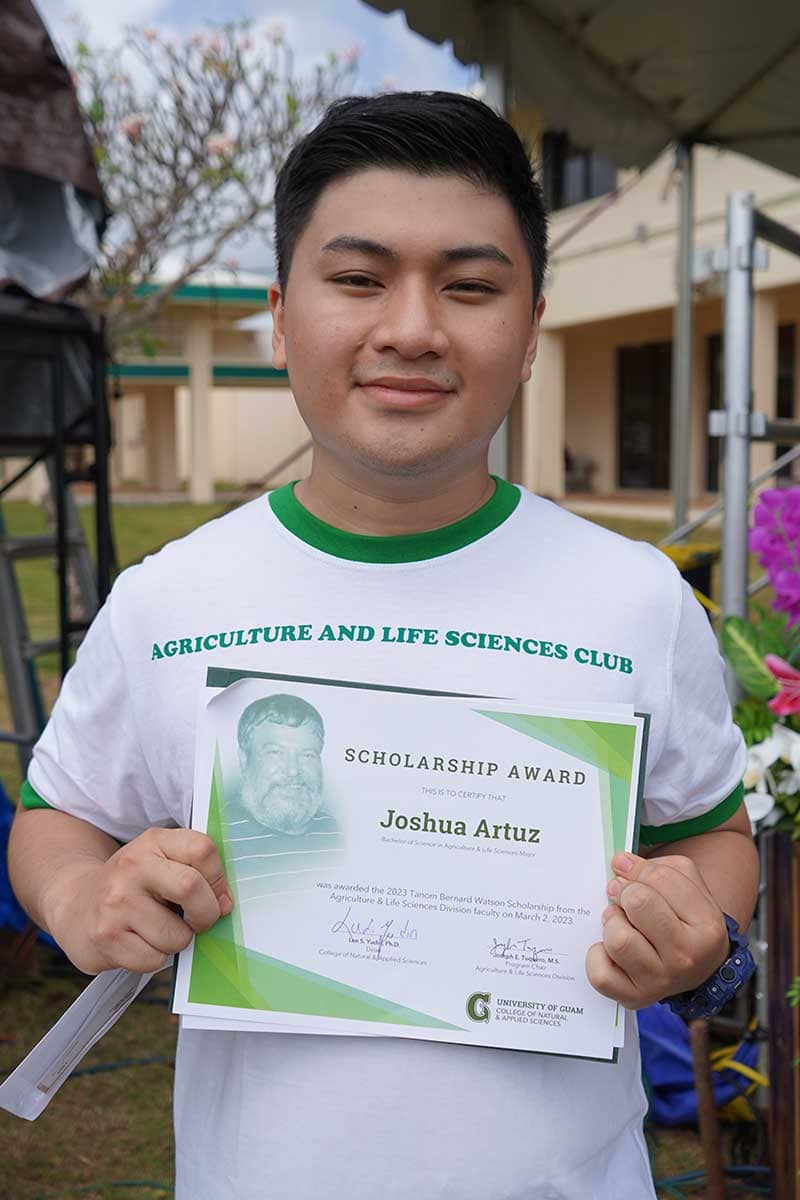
[[59, 475], [102, 449], [782, 929]]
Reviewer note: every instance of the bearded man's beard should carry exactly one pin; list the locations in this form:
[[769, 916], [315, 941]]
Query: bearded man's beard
[[285, 807]]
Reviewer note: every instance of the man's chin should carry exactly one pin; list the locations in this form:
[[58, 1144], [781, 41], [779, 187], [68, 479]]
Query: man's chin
[[288, 816], [400, 458]]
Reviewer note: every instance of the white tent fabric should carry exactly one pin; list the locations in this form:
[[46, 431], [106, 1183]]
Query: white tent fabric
[[626, 77]]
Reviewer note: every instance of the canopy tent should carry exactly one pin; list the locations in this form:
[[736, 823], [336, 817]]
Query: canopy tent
[[626, 79]]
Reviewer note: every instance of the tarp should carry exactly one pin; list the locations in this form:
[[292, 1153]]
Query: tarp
[[41, 130], [626, 77], [52, 210]]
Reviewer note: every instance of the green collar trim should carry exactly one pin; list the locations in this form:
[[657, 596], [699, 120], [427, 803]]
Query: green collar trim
[[405, 547]]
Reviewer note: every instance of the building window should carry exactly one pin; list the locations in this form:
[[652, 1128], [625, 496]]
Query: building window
[[644, 387], [571, 174]]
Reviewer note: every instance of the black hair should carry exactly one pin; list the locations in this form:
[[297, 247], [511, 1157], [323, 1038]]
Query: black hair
[[280, 709], [432, 133]]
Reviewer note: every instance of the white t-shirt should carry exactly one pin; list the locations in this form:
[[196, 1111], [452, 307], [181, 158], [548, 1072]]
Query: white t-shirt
[[523, 600]]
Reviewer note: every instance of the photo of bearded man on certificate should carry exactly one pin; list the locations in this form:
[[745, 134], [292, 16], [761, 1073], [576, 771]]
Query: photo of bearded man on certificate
[[279, 831]]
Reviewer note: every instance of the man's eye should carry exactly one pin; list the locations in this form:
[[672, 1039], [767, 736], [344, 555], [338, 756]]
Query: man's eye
[[473, 287], [355, 280]]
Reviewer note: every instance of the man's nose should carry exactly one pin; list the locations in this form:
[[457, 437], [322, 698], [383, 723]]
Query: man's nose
[[409, 322], [293, 764]]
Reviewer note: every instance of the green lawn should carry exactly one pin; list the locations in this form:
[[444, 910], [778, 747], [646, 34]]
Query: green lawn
[[115, 1128]]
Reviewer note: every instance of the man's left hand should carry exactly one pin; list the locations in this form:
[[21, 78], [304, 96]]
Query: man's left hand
[[663, 932]]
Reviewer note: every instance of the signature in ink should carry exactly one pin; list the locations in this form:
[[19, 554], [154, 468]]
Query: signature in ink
[[521, 950], [374, 935]]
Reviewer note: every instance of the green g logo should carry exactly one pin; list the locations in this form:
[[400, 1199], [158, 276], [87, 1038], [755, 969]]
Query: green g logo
[[478, 1006]]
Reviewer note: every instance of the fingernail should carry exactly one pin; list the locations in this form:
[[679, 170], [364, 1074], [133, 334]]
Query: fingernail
[[225, 904], [607, 913], [624, 862], [614, 888]]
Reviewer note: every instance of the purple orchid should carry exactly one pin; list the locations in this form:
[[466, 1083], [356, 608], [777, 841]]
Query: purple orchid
[[775, 540]]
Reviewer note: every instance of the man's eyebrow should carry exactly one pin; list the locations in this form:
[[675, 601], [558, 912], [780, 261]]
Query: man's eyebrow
[[360, 246], [472, 251]]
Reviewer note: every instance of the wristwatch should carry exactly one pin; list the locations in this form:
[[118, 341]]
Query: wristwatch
[[711, 996]]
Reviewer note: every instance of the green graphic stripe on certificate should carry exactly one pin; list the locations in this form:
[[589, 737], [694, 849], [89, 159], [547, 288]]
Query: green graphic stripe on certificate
[[609, 747], [273, 986], [217, 828]]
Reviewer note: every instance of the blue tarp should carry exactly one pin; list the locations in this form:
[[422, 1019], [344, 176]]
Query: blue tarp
[[11, 914], [668, 1071]]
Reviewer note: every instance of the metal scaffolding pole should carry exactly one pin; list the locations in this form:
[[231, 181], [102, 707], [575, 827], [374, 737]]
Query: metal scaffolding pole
[[737, 393], [682, 341]]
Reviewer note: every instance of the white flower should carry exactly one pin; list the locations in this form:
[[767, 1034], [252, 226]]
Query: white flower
[[758, 806], [790, 783], [789, 743], [760, 758]]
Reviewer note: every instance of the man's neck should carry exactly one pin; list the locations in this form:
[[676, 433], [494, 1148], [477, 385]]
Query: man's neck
[[382, 508]]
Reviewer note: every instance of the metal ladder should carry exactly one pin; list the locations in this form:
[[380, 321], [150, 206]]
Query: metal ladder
[[18, 650]]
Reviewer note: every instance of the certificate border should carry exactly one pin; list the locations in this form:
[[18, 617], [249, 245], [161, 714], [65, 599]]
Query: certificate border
[[223, 677]]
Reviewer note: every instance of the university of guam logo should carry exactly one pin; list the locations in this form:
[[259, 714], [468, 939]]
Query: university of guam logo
[[478, 1006]]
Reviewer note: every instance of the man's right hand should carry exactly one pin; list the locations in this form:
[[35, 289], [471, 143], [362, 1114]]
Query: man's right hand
[[123, 912]]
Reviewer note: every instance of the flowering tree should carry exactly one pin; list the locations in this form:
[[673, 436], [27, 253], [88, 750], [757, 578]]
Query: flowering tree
[[188, 137]]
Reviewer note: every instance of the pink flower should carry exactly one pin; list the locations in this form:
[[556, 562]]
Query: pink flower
[[221, 144], [787, 700], [132, 125]]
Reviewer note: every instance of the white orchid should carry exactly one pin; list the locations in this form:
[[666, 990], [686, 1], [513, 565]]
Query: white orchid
[[782, 746]]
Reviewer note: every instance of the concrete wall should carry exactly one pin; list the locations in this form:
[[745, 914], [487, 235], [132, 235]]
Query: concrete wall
[[618, 259], [252, 430]]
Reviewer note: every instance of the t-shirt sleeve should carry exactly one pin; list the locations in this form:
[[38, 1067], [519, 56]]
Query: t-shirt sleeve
[[89, 761], [695, 782]]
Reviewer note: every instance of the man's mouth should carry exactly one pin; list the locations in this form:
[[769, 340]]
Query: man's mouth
[[405, 391]]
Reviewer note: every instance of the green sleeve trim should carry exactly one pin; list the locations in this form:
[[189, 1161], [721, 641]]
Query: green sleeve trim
[[655, 835], [31, 799]]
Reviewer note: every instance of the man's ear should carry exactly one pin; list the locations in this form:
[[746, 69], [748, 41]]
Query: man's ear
[[278, 342], [533, 341]]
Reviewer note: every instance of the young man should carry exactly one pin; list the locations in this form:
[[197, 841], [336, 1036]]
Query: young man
[[411, 253]]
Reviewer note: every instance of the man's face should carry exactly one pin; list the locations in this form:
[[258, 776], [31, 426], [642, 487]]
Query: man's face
[[282, 776], [407, 323]]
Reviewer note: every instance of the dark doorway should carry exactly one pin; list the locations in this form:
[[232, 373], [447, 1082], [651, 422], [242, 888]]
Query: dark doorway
[[714, 360], [786, 387], [785, 351], [644, 383]]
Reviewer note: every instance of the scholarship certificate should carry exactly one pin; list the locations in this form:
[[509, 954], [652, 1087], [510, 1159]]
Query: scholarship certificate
[[409, 865]]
